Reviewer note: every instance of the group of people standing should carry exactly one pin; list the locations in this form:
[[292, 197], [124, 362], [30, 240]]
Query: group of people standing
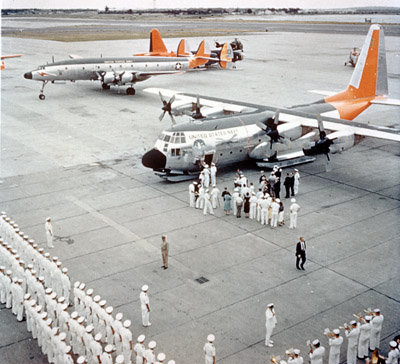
[[262, 204]]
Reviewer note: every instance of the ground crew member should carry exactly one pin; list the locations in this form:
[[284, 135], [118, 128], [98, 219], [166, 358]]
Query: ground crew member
[[164, 251], [145, 306]]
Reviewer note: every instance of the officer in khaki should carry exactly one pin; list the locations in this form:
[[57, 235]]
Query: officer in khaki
[[164, 251]]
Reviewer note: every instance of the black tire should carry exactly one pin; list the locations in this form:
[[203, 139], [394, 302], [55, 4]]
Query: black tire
[[130, 91], [42, 96]]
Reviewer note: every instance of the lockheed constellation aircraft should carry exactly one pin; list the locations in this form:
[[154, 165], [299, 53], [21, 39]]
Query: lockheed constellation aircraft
[[226, 132]]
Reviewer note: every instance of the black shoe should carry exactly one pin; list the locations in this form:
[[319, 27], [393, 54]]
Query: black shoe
[[302, 268], [298, 268]]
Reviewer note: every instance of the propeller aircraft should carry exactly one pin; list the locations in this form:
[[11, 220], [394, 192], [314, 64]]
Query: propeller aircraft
[[227, 132], [6, 57]]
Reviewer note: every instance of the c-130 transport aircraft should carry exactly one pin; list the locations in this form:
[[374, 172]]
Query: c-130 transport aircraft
[[227, 132]]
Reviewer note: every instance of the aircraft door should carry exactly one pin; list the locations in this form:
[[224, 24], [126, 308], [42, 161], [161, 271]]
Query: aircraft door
[[208, 158]]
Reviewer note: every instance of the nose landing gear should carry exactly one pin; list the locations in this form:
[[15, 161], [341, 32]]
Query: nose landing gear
[[41, 95]]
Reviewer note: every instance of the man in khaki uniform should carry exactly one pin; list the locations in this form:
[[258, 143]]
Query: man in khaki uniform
[[164, 251]]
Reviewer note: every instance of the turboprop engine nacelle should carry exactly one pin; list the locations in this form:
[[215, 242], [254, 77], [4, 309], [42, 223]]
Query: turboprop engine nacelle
[[342, 140], [109, 77], [126, 78]]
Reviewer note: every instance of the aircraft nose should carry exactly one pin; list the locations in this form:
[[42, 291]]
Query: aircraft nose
[[28, 75], [154, 159]]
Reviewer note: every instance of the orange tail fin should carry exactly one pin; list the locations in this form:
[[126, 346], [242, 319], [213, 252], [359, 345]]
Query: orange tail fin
[[202, 55], [226, 56], [183, 48], [156, 42]]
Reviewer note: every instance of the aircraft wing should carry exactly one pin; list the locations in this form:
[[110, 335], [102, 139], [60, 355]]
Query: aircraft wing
[[157, 73], [285, 115]]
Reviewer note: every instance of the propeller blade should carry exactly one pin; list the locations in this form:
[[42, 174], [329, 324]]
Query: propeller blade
[[161, 116], [172, 99], [276, 117], [172, 118], [162, 98], [322, 133]]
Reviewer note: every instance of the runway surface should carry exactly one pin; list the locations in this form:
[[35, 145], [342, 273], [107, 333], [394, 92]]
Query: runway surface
[[76, 157]]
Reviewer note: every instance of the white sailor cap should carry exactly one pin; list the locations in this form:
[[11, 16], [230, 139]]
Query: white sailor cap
[[61, 299], [55, 259], [48, 322], [41, 278], [315, 342], [377, 310], [211, 338], [102, 303], [89, 328], [32, 302], [195, 183], [8, 272], [30, 266], [171, 362], [393, 344], [270, 305], [53, 295], [109, 309], [141, 338], [76, 284], [277, 200], [81, 319], [64, 306], [296, 351], [31, 241], [48, 219], [64, 270], [353, 322], [38, 308], [207, 190], [98, 337], [161, 357], [152, 344], [293, 200], [127, 323], [145, 288], [296, 170], [89, 292], [58, 264], [368, 318], [2, 268], [119, 316], [96, 298], [81, 360], [67, 349], [119, 359], [27, 296], [47, 255], [108, 348], [74, 315], [48, 290], [336, 331], [82, 286]]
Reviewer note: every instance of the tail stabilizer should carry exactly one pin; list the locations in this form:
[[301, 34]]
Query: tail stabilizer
[[156, 42], [226, 56], [369, 78], [202, 55], [183, 49]]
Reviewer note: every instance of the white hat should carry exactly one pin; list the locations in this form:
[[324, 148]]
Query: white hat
[[48, 322], [81, 360], [63, 336], [270, 305], [141, 338], [67, 349], [64, 306], [89, 292], [108, 348], [171, 362], [152, 344], [76, 284], [74, 315], [296, 169], [27, 296], [393, 344], [96, 298], [98, 337], [119, 359], [315, 342], [109, 309], [48, 291], [296, 351], [65, 270], [61, 300], [278, 200], [102, 303], [293, 200], [47, 255], [377, 310], [81, 319], [353, 322], [336, 331], [55, 259], [53, 295], [145, 288], [38, 308], [89, 328], [32, 302], [368, 318], [82, 286], [48, 219], [161, 357], [211, 338], [119, 316], [127, 323]]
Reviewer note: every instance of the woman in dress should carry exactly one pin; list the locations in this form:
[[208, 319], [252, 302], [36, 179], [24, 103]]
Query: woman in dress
[[227, 203]]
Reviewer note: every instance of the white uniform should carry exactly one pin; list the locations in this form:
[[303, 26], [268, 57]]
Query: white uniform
[[95, 350], [206, 181], [200, 198], [393, 356], [19, 301], [49, 234], [209, 350], [317, 356], [270, 323], [126, 335], [253, 207], [275, 212], [139, 350], [334, 352], [144, 301], [150, 356], [117, 325], [106, 358], [296, 182], [207, 205], [363, 341], [215, 197], [213, 171], [65, 287], [376, 329], [264, 211], [234, 198], [191, 195], [352, 336], [294, 208]]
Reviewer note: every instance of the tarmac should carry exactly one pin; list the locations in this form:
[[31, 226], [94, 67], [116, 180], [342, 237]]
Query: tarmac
[[76, 157]]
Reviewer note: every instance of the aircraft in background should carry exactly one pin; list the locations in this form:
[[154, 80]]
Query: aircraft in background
[[202, 57], [110, 71], [9, 56], [227, 132]]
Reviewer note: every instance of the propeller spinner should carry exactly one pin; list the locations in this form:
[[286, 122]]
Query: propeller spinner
[[167, 108]]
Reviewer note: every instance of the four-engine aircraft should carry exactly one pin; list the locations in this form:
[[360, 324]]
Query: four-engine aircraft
[[226, 132], [224, 56], [110, 71]]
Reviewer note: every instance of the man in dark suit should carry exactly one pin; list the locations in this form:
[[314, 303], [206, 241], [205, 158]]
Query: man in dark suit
[[301, 253]]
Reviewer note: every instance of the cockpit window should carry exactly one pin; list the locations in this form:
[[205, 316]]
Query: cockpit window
[[178, 138]]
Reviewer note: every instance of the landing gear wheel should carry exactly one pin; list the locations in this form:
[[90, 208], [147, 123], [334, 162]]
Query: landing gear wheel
[[42, 96], [105, 86], [130, 91]]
